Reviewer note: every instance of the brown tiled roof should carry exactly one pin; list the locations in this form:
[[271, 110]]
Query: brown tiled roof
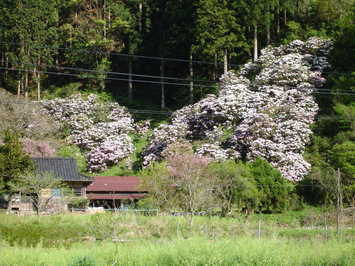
[[114, 196], [115, 184]]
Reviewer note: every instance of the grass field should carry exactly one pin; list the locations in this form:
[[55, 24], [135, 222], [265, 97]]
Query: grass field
[[294, 238]]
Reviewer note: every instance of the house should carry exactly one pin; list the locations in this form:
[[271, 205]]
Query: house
[[114, 191], [64, 168]]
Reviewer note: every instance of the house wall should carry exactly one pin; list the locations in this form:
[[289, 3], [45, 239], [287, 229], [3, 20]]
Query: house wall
[[79, 188]]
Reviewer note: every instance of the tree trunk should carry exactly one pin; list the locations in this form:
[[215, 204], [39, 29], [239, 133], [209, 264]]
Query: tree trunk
[[130, 84], [38, 85], [214, 73], [225, 62], [26, 85], [255, 43], [140, 17], [162, 85], [278, 21], [104, 18], [268, 36], [191, 100], [19, 87]]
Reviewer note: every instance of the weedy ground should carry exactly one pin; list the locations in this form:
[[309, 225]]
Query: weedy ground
[[307, 237]]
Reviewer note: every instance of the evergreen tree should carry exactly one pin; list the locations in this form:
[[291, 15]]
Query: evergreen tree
[[276, 192], [13, 160]]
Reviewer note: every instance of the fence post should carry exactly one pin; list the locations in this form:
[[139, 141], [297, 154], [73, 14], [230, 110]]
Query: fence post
[[325, 227], [259, 229]]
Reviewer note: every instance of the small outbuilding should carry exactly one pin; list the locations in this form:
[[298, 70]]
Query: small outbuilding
[[115, 192]]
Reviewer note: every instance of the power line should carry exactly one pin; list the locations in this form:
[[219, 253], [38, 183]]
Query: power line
[[136, 75], [325, 92], [107, 72], [157, 112], [119, 54], [151, 57], [108, 78]]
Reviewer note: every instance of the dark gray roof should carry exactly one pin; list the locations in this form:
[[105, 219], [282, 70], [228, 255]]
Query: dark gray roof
[[60, 167]]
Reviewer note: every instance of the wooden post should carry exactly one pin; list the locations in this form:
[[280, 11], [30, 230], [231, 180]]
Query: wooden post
[[325, 227], [339, 206], [259, 229]]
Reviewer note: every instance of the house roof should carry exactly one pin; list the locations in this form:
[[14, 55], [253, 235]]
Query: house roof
[[115, 184], [60, 167], [114, 196]]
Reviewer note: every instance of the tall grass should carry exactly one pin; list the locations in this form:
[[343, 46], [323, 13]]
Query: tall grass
[[68, 229], [196, 251], [286, 239]]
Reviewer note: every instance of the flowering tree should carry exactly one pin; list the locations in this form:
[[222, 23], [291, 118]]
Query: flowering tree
[[99, 129], [184, 183], [269, 106]]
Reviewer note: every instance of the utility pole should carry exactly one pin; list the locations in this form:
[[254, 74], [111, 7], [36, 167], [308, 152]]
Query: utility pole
[[162, 85], [191, 100]]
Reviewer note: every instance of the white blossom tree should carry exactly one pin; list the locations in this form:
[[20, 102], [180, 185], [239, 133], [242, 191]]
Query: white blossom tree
[[99, 129], [269, 106]]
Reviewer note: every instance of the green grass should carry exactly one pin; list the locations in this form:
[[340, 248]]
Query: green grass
[[168, 240], [196, 251]]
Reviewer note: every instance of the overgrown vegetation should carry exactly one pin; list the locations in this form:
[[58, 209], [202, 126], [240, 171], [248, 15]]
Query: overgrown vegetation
[[292, 238]]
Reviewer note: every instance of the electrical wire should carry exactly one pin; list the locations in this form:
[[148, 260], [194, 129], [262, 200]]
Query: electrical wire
[[108, 78], [149, 57], [157, 112], [139, 75], [327, 92], [119, 54], [107, 72]]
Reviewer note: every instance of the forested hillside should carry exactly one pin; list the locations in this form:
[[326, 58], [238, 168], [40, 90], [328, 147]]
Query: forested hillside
[[171, 51], [99, 79]]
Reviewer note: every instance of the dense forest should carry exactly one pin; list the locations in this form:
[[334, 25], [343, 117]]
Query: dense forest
[[83, 60], [172, 51]]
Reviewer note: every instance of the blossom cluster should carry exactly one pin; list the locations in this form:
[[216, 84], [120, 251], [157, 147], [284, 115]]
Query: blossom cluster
[[110, 152], [269, 106], [98, 129]]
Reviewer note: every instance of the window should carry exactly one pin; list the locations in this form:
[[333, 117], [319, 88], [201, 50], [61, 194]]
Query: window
[[56, 192]]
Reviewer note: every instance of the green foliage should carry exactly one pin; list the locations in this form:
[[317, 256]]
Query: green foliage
[[254, 186], [319, 186], [85, 260], [155, 179], [343, 158], [347, 116], [78, 203], [74, 152], [63, 91], [236, 186], [276, 192], [13, 160]]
